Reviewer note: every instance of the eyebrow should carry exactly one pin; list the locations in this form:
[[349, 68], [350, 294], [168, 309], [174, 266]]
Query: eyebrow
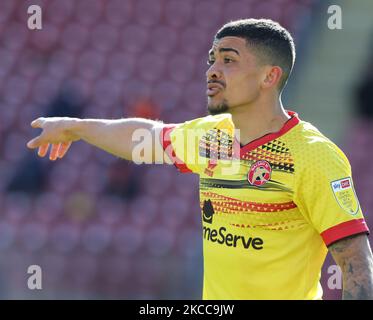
[[211, 52]]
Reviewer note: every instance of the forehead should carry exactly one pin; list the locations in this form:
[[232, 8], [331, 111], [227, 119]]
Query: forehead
[[230, 42]]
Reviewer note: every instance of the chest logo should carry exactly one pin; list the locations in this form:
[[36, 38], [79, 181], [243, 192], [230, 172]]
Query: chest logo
[[259, 173], [210, 167], [207, 211]]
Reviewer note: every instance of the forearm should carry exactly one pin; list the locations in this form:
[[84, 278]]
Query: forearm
[[113, 136], [354, 257], [358, 279]]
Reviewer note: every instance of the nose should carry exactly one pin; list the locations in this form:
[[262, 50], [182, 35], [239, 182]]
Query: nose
[[213, 72]]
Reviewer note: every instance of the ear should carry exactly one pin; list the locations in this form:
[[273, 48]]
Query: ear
[[272, 77]]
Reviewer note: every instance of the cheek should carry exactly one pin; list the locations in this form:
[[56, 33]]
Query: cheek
[[245, 87]]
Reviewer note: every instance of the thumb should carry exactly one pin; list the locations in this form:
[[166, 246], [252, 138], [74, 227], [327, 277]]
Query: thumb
[[37, 123]]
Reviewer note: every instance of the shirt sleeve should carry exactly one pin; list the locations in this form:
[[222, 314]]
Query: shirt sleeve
[[181, 144], [192, 145], [169, 148], [325, 194]]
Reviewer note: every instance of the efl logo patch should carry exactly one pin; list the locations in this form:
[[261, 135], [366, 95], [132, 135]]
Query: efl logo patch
[[259, 173], [345, 195]]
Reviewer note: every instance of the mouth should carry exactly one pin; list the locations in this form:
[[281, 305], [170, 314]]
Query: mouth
[[213, 88]]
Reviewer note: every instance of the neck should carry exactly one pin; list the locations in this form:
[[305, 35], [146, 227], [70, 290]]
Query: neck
[[258, 119]]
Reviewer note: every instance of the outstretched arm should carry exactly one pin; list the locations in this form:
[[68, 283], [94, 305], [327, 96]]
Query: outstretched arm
[[118, 137], [354, 256]]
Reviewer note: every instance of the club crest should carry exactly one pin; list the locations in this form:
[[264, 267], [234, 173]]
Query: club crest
[[259, 173]]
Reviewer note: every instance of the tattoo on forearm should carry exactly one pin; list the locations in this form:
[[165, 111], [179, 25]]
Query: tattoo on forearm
[[354, 256]]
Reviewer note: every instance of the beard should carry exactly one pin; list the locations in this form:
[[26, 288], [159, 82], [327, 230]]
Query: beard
[[217, 109]]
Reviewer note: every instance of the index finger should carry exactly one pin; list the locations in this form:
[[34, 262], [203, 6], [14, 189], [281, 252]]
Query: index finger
[[34, 143]]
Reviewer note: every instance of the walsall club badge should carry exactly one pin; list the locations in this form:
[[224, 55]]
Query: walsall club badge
[[259, 173]]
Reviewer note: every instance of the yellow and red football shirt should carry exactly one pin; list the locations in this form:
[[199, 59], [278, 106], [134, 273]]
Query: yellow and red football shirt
[[269, 208]]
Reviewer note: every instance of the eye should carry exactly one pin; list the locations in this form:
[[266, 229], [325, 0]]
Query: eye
[[228, 60], [210, 62]]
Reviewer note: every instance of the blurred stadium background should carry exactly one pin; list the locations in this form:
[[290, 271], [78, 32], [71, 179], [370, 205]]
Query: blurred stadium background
[[99, 226]]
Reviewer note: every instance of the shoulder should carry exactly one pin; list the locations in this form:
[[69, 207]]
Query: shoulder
[[312, 149], [208, 121]]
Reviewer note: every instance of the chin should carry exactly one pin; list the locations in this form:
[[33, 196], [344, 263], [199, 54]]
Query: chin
[[217, 108]]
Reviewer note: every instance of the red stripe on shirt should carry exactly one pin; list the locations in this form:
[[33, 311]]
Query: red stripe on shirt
[[343, 230], [168, 148]]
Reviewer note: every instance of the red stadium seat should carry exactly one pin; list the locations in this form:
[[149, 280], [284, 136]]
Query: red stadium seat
[[143, 211], [128, 240], [135, 90], [7, 60], [193, 40], [116, 270], [59, 12], [120, 66], [189, 243], [174, 211], [44, 89], [15, 141], [30, 64], [166, 94], [74, 37], [160, 241], [237, 9], [96, 238], [88, 12], [156, 173], [65, 173], [65, 237], [134, 38], [15, 36], [90, 64], [16, 89], [271, 10], [194, 96], [61, 64], [204, 9], [147, 12], [33, 236], [118, 12], [112, 210], [178, 13], [107, 91], [47, 207], [104, 37], [150, 67], [7, 8], [83, 270], [54, 265], [163, 40], [45, 40], [91, 180], [181, 67], [8, 234]]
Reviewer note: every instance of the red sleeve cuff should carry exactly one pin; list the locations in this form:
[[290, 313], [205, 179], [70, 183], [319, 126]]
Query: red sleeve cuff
[[344, 230], [169, 150]]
